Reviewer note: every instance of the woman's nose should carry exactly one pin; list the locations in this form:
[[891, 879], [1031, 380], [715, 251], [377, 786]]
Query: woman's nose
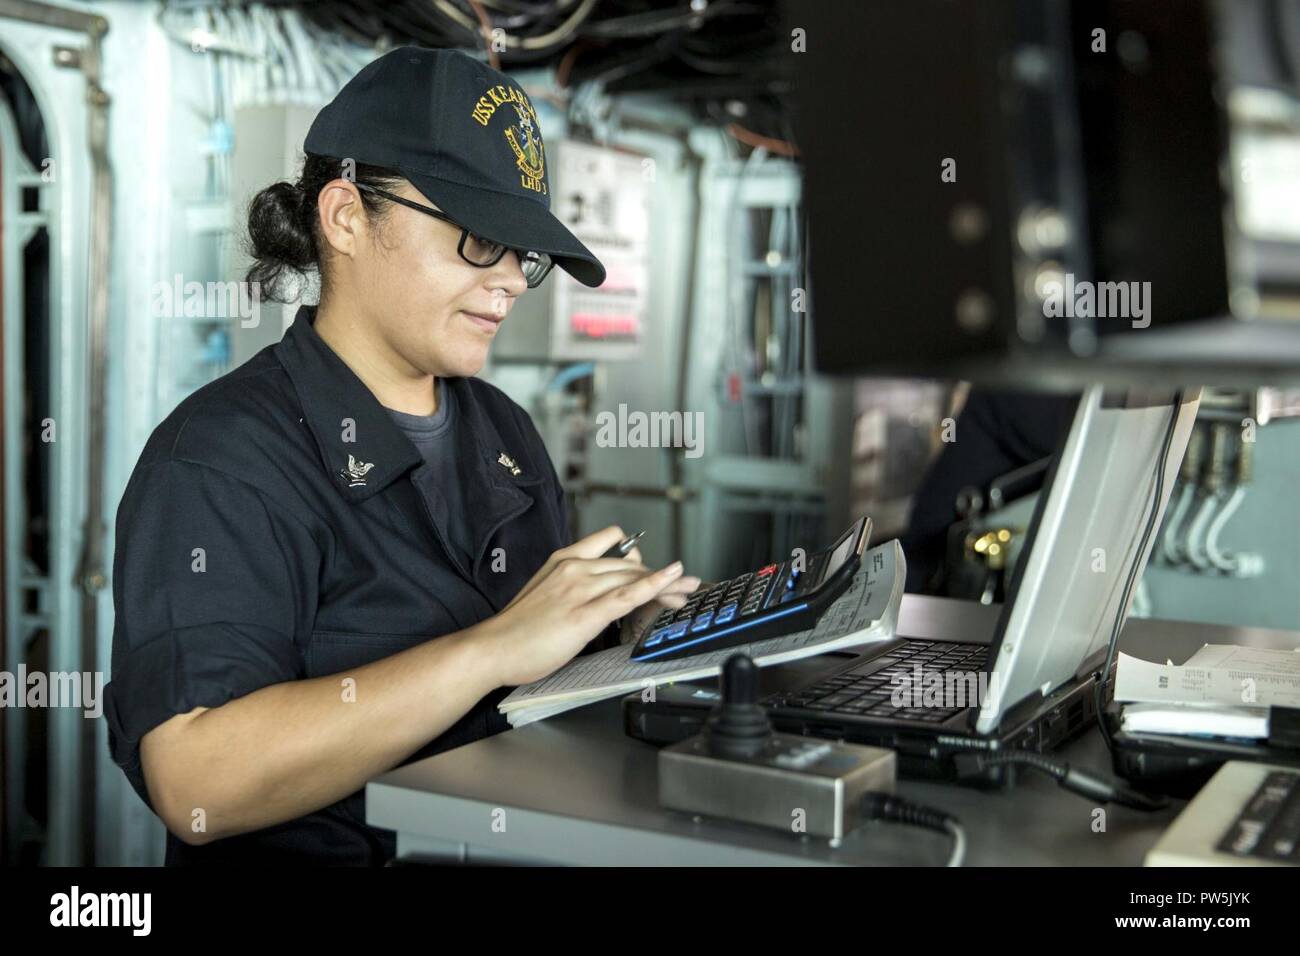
[[509, 275]]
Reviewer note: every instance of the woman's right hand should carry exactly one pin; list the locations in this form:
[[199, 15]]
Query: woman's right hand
[[572, 598]]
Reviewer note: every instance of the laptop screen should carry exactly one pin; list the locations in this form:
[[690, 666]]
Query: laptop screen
[[1086, 534]]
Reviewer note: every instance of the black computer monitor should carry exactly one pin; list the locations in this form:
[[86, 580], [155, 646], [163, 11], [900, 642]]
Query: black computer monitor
[[1023, 192]]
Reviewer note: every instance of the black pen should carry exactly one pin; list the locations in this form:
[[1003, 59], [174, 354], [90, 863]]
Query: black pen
[[621, 549]]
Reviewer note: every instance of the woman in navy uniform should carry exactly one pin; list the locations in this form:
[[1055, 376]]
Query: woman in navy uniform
[[341, 555]]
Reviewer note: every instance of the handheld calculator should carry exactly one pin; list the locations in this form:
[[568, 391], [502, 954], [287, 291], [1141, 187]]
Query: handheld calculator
[[777, 599]]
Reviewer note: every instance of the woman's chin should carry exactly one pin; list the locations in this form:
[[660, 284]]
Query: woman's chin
[[467, 362]]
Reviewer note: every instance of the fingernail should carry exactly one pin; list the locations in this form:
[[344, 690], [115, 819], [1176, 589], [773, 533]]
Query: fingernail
[[674, 568]]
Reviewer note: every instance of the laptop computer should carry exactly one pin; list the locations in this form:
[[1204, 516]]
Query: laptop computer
[[1030, 687]]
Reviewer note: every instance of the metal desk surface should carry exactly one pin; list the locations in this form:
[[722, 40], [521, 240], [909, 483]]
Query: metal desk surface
[[575, 790]]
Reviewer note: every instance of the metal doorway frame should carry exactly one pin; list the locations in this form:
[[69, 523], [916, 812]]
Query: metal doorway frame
[[56, 51]]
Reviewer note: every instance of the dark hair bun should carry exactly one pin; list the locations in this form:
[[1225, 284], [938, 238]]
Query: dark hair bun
[[283, 233], [280, 239]]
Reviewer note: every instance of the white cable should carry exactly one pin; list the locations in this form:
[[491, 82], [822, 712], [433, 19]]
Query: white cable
[[562, 32], [268, 55], [1169, 546], [284, 71], [1230, 563], [296, 38], [246, 89], [958, 835], [282, 76], [299, 71], [1195, 534], [457, 17]]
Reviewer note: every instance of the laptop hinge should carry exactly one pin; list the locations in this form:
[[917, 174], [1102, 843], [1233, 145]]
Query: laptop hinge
[[1012, 714]]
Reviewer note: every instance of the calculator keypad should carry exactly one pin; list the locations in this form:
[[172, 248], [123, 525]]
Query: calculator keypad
[[724, 602], [776, 599]]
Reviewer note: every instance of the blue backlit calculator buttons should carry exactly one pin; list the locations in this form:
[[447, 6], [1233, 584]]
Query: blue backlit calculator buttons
[[776, 599], [669, 633]]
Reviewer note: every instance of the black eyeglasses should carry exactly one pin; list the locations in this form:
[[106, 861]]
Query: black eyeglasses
[[476, 250]]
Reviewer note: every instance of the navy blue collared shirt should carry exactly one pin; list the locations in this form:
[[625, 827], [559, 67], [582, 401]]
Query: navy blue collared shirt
[[280, 526]]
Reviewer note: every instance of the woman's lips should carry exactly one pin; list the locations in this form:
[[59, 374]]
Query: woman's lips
[[488, 323]]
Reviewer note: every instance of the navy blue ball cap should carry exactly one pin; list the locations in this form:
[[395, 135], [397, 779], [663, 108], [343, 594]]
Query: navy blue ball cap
[[466, 136]]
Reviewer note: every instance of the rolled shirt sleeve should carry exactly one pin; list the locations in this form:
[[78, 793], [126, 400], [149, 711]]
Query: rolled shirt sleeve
[[214, 592]]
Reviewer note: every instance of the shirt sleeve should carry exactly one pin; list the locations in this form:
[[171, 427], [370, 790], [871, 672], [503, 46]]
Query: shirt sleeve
[[214, 592]]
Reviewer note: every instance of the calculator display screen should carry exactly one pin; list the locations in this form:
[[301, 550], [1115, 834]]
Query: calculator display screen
[[842, 554]]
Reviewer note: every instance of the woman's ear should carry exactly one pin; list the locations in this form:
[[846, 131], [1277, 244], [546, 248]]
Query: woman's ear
[[343, 220]]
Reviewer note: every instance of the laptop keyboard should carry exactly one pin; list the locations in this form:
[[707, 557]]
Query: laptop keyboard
[[869, 689]]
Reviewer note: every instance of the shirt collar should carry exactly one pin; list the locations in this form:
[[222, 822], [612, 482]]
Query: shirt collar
[[360, 445], [337, 406]]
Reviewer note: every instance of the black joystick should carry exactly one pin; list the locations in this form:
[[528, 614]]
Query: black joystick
[[738, 727]]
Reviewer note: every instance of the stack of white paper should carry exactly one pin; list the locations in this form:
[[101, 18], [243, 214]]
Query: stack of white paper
[[866, 612], [1216, 720], [1223, 690]]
